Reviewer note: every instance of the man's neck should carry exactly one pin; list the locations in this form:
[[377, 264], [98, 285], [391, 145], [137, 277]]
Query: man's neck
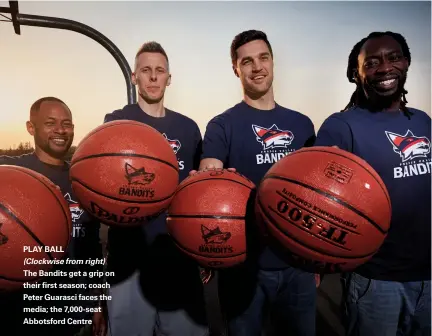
[[46, 158], [264, 102], [156, 110]]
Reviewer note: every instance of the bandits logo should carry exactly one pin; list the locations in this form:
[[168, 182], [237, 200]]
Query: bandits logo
[[76, 212], [215, 236], [410, 147], [215, 241], [74, 208], [275, 143], [175, 144], [137, 177]]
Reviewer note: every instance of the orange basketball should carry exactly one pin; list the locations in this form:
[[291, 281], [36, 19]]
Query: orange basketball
[[207, 217], [35, 226], [124, 171], [327, 206]]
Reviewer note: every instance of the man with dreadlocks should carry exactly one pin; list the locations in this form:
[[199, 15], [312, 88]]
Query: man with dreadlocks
[[390, 294]]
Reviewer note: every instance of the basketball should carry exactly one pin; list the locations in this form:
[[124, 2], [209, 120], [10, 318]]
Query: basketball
[[124, 171], [327, 207], [207, 217], [35, 226]]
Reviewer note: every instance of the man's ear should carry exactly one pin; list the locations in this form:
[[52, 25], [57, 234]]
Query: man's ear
[[30, 128]]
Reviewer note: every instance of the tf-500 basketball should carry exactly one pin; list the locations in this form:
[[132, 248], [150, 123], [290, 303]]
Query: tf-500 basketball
[[124, 171], [208, 214], [327, 207]]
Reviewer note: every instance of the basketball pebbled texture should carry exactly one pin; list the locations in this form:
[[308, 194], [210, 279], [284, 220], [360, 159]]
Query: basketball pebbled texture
[[326, 206]]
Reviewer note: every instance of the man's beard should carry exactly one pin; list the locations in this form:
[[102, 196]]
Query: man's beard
[[381, 101]]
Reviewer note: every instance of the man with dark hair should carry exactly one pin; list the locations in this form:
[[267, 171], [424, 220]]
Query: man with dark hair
[[52, 128], [250, 137], [390, 294], [156, 288]]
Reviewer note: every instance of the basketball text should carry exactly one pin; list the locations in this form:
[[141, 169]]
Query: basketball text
[[316, 226], [105, 215], [216, 249], [319, 211], [136, 192]]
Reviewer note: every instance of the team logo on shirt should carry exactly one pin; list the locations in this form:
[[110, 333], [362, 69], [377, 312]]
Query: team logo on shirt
[[74, 208], [273, 137], [410, 147], [76, 212], [275, 143], [175, 144]]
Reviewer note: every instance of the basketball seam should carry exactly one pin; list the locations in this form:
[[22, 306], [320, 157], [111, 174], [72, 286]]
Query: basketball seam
[[126, 155], [331, 197], [316, 215], [277, 226], [346, 157], [20, 223], [119, 199], [213, 178], [55, 197]]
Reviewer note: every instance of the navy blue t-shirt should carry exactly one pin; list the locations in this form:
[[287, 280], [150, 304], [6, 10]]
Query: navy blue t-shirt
[[252, 140], [398, 148], [129, 246]]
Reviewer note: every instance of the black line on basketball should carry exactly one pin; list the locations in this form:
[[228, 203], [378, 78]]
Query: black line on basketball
[[67, 215], [119, 199], [318, 216], [21, 223], [213, 178], [346, 157], [330, 196], [93, 132], [207, 216], [275, 224], [141, 156]]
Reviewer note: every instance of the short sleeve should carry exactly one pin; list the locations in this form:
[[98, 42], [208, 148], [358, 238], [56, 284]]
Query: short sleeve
[[215, 144], [311, 136], [335, 132], [111, 117]]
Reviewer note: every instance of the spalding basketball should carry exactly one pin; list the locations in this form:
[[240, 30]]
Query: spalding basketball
[[328, 207], [124, 171], [35, 226], [207, 217]]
